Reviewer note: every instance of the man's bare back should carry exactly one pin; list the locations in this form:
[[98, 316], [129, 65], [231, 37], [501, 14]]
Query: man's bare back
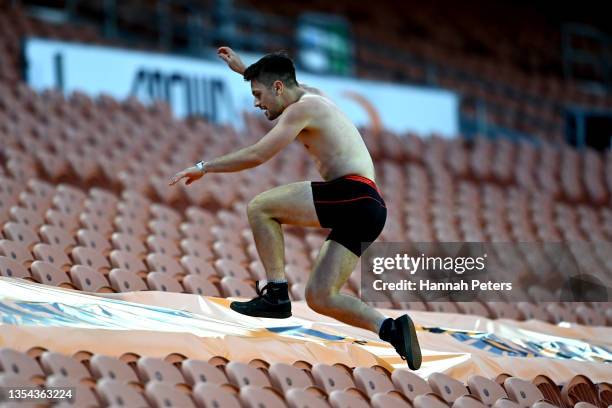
[[332, 140]]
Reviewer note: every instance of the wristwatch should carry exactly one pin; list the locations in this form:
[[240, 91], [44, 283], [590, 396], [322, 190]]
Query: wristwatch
[[201, 165]]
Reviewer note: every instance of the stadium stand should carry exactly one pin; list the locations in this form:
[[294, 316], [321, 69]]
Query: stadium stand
[[84, 205]]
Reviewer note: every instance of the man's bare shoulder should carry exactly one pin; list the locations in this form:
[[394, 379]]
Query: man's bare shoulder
[[308, 106]]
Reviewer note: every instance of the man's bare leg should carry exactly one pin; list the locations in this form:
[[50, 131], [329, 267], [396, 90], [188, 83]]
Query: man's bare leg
[[288, 204], [333, 267]]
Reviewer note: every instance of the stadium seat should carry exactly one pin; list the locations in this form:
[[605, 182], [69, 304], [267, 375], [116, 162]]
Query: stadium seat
[[92, 239], [195, 232], [231, 269], [164, 246], [156, 369], [49, 274], [164, 230], [200, 216], [345, 399], [96, 223], [255, 397], [104, 198], [131, 227], [163, 394], [468, 401], [241, 375], [33, 202], [53, 255], [409, 384], [285, 377], [429, 401], [129, 243], [196, 371], [371, 382], [21, 233], [164, 264], [16, 251], [166, 214], [194, 265], [91, 258], [44, 190], [62, 220], [232, 287], [59, 237], [230, 252], [211, 395], [19, 364], [115, 393], [126, 281], [446, 387], [66, 205], [196, 248], [64, 366], [163, 282], [522, 392], [128, 262], [331, 378], [298, 398], [199, 285], [27, 217], [486, 390], [102, 366], [589, 317], [82, 395], [87, 279], [12, 268]]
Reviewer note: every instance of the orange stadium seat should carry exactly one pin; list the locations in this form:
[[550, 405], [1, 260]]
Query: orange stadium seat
[[16, 251], [12, 268], [89, 280], [92, 239]]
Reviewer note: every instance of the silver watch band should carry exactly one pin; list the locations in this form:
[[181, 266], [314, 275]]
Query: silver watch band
[[201, 165]]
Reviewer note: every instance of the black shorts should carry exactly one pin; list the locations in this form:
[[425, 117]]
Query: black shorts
[[353, 208]]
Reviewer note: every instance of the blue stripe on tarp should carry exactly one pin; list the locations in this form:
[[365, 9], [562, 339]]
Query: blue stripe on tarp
[[300, 331]]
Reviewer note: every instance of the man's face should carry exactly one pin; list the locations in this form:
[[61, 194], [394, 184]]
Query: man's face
[[268, 99]]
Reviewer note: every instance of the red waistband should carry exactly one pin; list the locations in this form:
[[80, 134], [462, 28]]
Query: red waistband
[[356, 177]]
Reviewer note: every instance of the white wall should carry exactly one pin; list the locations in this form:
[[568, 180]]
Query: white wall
[[220, 93]]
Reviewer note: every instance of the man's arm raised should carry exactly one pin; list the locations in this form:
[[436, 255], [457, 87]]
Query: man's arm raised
[[232, 59], [289, 125]]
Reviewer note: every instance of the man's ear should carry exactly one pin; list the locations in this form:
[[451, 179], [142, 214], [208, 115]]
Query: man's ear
[[278, 87]]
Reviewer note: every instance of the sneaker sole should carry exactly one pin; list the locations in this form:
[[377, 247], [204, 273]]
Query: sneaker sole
[[269, 315], [410, 342]]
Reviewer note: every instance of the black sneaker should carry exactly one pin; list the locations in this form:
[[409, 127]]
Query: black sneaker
[[263, 305], [405, 341]]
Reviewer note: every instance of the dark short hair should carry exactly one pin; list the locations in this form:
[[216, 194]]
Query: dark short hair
[[272, 67]]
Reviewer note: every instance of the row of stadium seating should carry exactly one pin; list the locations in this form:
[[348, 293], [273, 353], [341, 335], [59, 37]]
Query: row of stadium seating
[[97, 241], [176, 381]]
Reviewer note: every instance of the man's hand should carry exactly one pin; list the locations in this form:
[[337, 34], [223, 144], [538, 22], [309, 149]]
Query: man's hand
[[191, 174], [231, 59]]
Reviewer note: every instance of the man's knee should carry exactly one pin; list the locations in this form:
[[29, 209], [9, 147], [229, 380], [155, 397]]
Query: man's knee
[[318, 299], [257, 208]]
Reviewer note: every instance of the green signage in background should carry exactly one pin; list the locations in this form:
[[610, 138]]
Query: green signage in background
[[325, 44]]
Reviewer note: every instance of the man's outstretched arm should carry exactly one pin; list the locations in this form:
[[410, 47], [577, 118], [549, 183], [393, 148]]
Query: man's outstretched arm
[[289, 125]]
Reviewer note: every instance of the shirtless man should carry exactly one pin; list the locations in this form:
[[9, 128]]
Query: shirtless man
[[348, 201]]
